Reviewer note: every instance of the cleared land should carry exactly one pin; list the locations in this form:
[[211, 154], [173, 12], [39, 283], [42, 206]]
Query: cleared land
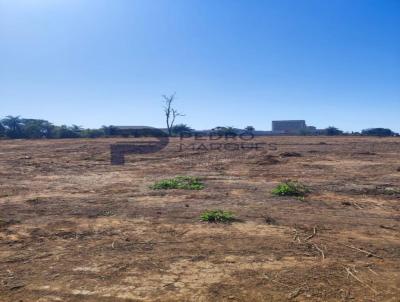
[[75, 228]]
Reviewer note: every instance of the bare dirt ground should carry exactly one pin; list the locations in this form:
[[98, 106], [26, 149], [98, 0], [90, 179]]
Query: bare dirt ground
[[75, 228]]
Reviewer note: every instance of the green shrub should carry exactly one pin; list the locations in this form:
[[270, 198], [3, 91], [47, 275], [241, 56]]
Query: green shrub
[[290, 188], [391, 191], [378, 132], [217, 216], [179, 182]]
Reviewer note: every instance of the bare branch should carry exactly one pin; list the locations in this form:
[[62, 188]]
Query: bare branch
[[170, 113]]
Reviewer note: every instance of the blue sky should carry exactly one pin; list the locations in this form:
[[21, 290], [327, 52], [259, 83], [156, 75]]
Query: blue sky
[[231, 62]]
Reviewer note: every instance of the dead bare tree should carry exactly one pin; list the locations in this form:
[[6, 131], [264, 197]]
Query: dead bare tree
[[170, 113]]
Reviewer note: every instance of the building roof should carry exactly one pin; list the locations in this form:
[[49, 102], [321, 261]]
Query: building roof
[[290, 121]]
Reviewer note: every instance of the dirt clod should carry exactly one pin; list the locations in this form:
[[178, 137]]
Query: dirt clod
[[290, 154]]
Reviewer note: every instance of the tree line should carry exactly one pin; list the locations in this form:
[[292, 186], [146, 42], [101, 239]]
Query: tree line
[[382, 132], [15, 127]]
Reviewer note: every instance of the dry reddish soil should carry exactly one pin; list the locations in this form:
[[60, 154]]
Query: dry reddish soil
[[75, 228]]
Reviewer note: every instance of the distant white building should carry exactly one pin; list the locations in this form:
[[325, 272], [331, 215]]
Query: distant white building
[[292, 127]]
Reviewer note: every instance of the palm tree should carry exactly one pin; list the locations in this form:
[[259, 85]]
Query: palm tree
[[181, 129], [76, 129], [250, 129], [13, 125], [333, 131]]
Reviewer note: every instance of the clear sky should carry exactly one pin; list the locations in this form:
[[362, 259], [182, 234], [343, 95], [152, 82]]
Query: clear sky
[[231, 62]]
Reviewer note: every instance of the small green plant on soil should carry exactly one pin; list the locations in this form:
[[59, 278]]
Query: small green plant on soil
[[290, 188], [217, 216], [391, 191], [179, 182]]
